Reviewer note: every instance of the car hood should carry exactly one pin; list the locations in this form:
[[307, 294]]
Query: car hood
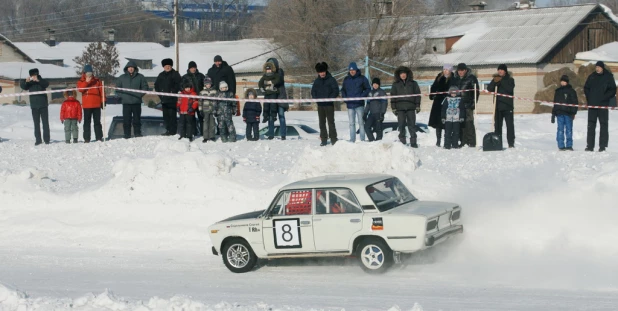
[[250, 215], [428, 209]]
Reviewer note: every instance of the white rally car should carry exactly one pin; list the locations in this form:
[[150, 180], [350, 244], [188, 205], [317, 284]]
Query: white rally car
[[371, 216]]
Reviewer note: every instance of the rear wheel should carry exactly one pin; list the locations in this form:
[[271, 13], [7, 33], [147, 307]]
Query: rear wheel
[[374, 255], [238, 256]]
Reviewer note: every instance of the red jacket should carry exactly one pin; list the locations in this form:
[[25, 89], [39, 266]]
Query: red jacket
[[71, 109], [91, 98], [184, 103]]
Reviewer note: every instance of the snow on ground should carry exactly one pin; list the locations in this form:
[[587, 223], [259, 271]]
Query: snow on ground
[[122, 225]]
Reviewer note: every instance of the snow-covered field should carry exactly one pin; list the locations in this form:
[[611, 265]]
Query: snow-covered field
[[122, 225]]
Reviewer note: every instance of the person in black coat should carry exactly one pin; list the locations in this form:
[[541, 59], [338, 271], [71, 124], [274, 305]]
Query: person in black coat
[[196, 79], [251, 115], [465, 80], [221, 71], [565, 94], [168, 81], [38, 104], [406, 108], [504, 105], [325, 86], [442, 83], [599, 89]]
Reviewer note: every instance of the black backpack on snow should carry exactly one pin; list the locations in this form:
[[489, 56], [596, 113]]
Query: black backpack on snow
[[492, 142]]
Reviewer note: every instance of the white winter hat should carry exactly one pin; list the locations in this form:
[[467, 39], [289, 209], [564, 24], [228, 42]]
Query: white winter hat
[[222, 85]]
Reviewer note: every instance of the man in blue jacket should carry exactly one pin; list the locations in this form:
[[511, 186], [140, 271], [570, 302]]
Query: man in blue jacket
[[355, 85]]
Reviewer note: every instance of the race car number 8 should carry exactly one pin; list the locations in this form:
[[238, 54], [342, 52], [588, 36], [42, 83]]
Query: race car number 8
[[287, 233]]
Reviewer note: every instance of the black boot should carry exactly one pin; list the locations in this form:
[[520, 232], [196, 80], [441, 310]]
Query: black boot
[[75, 140], [438, 137]]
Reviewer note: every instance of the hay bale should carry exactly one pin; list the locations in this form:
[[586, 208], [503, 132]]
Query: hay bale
[[553, 77], [583, 72], [546, 94]]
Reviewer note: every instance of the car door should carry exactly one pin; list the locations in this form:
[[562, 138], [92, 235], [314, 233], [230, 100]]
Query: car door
[[338, 217], [288, 228]]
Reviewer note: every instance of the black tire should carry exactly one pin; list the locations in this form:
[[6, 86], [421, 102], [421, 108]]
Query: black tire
[[374, 256], [238, 256]]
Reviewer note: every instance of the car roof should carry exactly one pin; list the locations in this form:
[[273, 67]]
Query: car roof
[[330, 181]]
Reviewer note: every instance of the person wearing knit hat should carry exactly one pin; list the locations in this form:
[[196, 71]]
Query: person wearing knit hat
[[600, 90], [207, 110], [225, 110], [168, 81], [505, 85], [325, 86], [196, 78], [38, 103], [565, 94], [441, 84], [374, 111], [91, 88], [355, 85], [466, 81], [221, 71]]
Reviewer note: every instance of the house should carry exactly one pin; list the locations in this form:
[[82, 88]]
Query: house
[[55, 61], [531, 41]]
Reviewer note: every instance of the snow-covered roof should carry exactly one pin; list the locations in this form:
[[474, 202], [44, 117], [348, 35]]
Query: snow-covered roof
[[607, 53], [11, 44], [512, 36], [202, 53], [19, 70]]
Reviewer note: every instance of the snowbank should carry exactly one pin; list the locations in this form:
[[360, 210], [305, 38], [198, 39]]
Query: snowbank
[[14, 300]]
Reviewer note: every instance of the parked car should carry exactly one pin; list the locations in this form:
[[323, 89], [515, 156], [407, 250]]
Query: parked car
[[151, 126], [293, 130], [388, 127], [372, 216]]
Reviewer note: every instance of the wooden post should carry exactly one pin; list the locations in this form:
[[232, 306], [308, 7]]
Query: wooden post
[[494, 108]]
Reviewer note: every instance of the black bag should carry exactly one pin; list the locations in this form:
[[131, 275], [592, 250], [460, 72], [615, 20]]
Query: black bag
[[492, 142]]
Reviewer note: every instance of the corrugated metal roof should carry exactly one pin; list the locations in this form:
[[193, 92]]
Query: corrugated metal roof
[[512, 37]]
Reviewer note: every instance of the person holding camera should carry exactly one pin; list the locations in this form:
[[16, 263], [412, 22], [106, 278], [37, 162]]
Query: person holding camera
[[38, 104]]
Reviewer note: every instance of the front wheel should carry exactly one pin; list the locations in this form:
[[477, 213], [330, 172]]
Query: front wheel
[[374, 255], [238, 256]]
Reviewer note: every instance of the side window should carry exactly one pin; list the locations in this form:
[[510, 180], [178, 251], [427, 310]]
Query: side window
[[291, 131], [336, 201], [296, 202]]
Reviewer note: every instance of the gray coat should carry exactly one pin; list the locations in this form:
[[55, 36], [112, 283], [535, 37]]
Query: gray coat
[[136, 81]]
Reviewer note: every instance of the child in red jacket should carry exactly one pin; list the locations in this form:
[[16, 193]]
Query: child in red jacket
[[186, 108], [70, 115]]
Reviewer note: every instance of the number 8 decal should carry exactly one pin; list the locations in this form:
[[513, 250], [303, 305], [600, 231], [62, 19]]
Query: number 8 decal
[[287, 233]]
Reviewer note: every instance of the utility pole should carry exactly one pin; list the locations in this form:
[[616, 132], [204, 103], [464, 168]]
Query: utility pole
[[176, 35]]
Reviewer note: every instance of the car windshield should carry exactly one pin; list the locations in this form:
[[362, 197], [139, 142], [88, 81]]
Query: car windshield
[[308, 129], [389, 194]]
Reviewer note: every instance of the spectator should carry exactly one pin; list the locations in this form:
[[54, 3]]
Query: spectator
[[442, 83], [168, 81], [196, 79], [70, 116], [38, 104], [504, 105], [131, 101], [565, 94], [207, 109], [374, 111], [186, 107], [267, 85], [92, 102], [466, 81], [282, 108], [225, 110], [221, 71], [453, 114], [355, 85], [325, 86], [599, 89], [251, 115], [406, 108]]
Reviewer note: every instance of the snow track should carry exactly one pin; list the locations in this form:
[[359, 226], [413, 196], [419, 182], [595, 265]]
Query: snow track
[[130, 216]]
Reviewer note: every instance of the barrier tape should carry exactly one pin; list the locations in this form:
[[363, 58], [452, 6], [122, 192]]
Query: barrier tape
[[314, 100]]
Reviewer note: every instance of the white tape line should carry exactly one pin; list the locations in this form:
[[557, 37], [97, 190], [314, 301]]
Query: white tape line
[[26, 93], [551, 104]]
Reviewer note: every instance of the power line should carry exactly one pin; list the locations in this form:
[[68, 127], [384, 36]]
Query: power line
[[69, 10]]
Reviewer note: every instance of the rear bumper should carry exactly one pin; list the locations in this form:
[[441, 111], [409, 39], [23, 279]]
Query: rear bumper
[[443, 235], [214, 251]]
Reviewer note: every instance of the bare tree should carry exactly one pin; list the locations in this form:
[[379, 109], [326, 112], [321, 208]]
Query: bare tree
[[104, 60]]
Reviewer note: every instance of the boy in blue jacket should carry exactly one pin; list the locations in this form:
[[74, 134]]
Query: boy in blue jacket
[[374, 111], [453, 114], [251, 115]]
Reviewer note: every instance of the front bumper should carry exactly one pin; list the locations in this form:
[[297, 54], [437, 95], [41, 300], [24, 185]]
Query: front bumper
[[442, 236], [214, 251]]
